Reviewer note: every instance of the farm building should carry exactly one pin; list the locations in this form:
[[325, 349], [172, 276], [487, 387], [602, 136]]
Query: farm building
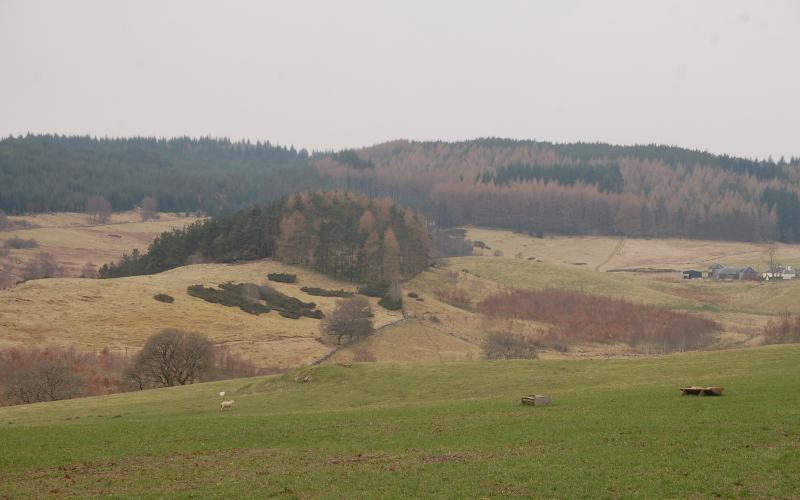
[[734, 273], [691, 274], [781, 273]]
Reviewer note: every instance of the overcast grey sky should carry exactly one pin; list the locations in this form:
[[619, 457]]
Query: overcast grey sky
[[716, 75]]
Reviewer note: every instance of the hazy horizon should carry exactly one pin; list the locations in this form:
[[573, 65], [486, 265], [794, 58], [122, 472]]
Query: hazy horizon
[[717, 76]]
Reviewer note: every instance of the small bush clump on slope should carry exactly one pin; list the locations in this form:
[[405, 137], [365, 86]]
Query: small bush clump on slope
[[282, 277], [785, 330], [256, 300], [18, 243], [322, 292], [163, 297], [504, 345]]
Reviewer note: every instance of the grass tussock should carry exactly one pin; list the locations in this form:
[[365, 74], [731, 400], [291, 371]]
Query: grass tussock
[[784, 330]]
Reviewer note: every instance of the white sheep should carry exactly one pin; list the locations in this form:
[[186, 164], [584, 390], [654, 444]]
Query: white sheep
[[226, 404], [222, 394]]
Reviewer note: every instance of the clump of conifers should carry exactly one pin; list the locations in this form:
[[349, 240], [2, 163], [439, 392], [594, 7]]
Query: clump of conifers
[[163, 297], [255, 299], [282, 277], [322, 292]]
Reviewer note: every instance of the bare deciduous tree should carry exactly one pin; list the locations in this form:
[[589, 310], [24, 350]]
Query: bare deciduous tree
[[4, 224], [352, 318], [149, 208], [99, 209], [45, 380], [772, 256], [6, 278], [173, 357]]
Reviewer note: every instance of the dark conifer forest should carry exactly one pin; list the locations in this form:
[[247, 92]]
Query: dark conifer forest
[[46, 173], [530, 186]]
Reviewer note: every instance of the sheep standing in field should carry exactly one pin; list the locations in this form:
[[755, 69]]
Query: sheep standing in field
[[226, 404]]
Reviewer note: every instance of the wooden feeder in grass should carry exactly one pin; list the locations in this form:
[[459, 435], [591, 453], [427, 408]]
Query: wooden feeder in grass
[[701, 391]]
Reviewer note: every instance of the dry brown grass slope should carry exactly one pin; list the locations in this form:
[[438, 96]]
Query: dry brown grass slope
[[73, 241], [668, 253], [121, 313]]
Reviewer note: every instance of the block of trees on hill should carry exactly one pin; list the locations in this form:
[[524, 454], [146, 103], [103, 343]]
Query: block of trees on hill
[[343, 235], [255, 299]]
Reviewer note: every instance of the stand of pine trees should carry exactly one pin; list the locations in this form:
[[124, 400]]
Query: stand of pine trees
[[340, 234]]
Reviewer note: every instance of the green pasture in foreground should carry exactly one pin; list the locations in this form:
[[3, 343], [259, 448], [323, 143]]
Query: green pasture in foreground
[[616, 428]]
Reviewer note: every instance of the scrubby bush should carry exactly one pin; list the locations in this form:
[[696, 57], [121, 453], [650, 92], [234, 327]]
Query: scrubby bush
[[282, 277], [590, 318], [505, 345], [390, 304], [89, 270], [322, 292], [364, 356], [18, 243], [374, 289], [42, 266], [163, 297], [48, 374], [784, 330], [44, 380], [456, 297], [34, 375]]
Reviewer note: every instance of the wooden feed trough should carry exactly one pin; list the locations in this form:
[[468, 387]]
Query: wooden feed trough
[[535, 400], [702, 391]]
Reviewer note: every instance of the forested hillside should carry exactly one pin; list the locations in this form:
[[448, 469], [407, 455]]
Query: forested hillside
[[340, 234], [578, 188], [581, 188], [42, 173]]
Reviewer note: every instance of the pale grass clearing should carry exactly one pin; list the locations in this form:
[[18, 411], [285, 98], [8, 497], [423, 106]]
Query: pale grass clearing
[[664, 253], [73, 242], [412, 341]]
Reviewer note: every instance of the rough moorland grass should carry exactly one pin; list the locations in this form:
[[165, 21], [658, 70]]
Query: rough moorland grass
[[617, 428], [741, 297]]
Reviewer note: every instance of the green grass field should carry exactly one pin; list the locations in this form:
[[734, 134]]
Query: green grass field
[[616, 428]]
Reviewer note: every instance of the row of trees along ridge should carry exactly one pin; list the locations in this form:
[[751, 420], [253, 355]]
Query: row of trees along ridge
[[340, 234]]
